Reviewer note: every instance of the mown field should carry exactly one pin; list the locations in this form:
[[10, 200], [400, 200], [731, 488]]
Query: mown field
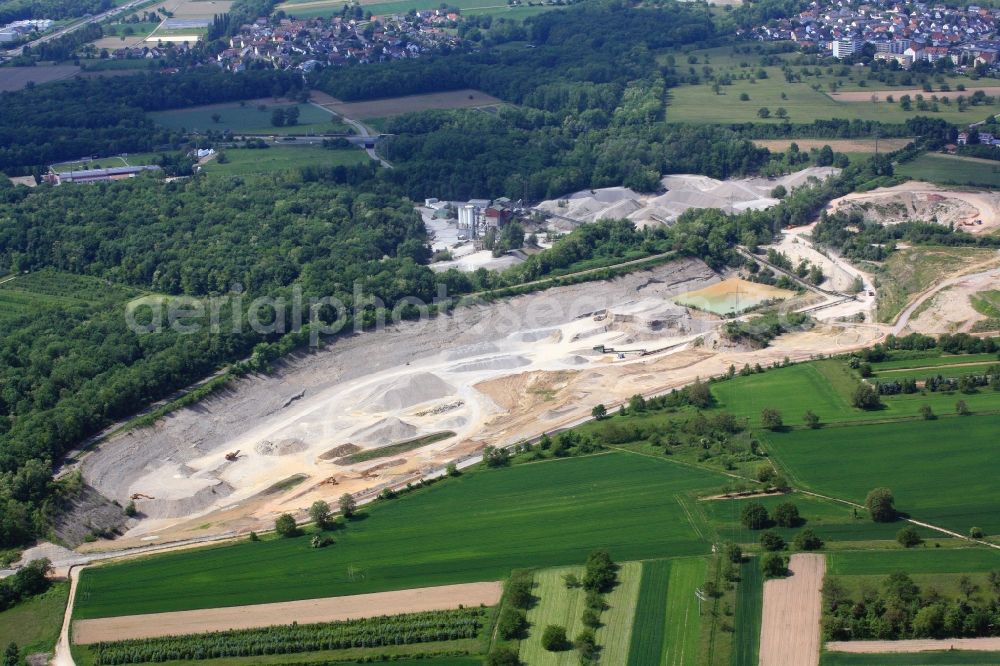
[[615, 634], [951, 170], [683, 617], [243, 161], [248, 118], [939, 470], [25, 294], [556, 605], [34, 624], [474, 528]]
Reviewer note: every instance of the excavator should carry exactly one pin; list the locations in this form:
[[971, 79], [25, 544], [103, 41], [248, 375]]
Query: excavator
[[233, 455]]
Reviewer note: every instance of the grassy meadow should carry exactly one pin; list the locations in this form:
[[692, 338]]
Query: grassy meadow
[[683, 618], [952, 170], [804, 100], [936, 469], [243, 161], [944, 658], [247, 118], [473, 528], [649, 628], [35, 624], [615, 634], [25, 294], [314, 8]]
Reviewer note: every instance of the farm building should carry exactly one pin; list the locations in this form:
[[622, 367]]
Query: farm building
[[97, 175]]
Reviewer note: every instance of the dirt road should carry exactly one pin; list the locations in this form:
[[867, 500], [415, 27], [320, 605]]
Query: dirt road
[[790, 632], [308, 611], [920, 645]]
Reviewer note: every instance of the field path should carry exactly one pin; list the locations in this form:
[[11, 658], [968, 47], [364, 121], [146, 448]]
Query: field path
[[790, 633], [989, 644], [307, 611], [63, 656]]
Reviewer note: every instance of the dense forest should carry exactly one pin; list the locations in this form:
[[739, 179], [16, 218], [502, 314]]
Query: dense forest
[[106, 116], [17, 10]]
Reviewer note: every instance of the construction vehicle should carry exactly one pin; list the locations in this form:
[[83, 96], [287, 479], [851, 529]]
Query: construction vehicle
[[137, 496], [233, 455]]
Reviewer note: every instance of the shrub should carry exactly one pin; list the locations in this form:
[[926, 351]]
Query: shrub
[[601, 572], [774, 565], [908, 537], [586, 645], [320, 514], [591, 618], [976, 533], [571, 580], [927, 413], [807, 540], [786, 514], [511, 624], [770, 418], [772, 541], [880, 505], [734, 553], [285, 526], [554, 638], [519, 590], [754, 516], [503, 656], [866, 397]]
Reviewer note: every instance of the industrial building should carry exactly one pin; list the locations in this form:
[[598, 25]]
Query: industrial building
[[97, 175]]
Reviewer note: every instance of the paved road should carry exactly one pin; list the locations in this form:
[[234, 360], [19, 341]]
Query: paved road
[[364, 135]]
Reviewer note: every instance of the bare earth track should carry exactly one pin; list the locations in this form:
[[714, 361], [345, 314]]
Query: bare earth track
[[790, 633], [309, 611]]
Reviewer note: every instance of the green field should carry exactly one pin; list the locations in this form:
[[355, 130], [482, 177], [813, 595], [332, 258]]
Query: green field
[[987, 302], [937, 469], [749, 606], [951, 170], [949, 658], [243, 161], [131, 159], [649, 628], [248, 118], [556, 605], [683, 617], [825, 387], [832, 521], [919, 360], [616, 631], [34, 624], [27, 293], [914, 561], [475, 527]]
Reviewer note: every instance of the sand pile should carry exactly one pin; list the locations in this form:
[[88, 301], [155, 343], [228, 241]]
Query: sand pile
[[495, 363], [339, 451], [177, 492], [408, 391], [282, 447], [683, 192], [385, 431]]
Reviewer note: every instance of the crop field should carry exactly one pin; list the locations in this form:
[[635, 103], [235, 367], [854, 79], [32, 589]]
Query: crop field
[[830, 520], [948, 658], [649, 628], [943, 370], [683, 617], [25, 294], [34, 624], [243, 161], [951, 170], [556, 605], [860, 146], [938, 470], [247, 118], [16, 78], [476, 527], [749, 607], [615, 634]]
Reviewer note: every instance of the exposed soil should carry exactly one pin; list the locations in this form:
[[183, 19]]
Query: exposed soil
[[989, 644], [308, 611], [925, 202], [790, 633]]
